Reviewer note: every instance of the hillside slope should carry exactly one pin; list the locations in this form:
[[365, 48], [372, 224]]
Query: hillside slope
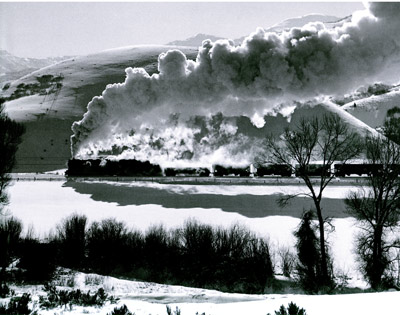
[[372, 110], [48, 109]]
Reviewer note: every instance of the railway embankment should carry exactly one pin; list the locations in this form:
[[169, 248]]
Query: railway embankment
[[188, 180]]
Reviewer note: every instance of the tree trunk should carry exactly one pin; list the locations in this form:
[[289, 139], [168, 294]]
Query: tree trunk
[[378, 264], [324, 276]]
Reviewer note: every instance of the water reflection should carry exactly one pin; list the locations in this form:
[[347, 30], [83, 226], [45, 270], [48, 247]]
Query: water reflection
[[249, 205]]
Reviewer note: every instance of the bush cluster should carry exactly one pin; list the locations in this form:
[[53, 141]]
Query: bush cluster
[[123, 310], [170, 312], [18, 305], [10, 233], [5, 290], [197, 254], [55, 297], [291, 309], [46, 84], [178, 311], [37, 259]]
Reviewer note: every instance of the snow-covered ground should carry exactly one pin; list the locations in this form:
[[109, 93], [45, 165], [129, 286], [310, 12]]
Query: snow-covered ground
[[143, 298], [43, 204]]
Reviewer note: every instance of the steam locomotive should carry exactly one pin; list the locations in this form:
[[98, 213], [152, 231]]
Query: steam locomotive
[[135, 168], [101, 167]]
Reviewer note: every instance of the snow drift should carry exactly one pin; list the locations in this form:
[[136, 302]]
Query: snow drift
[[185, 112]]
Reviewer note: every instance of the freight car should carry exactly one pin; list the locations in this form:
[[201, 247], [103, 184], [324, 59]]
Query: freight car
[[273, 170], [342, 170], [312, 170], [201, 172], [220, 171]]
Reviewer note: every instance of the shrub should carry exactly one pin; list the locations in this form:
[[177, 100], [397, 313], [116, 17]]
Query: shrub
[[287, 260], [44, 79], [10, 232], [308, 254], [55, 298], [378, 89], [37, 259], [341, 279], [106, 243], [243, 260], [17, 306], [309, 257], [158, 259], [93, 280], [123, 310], [292, 309], [5, 290], [198, 254], [176, 312], [134, 249], [71, 239]]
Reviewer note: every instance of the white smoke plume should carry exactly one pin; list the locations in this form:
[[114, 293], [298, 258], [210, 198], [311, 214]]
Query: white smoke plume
[[154, 117]]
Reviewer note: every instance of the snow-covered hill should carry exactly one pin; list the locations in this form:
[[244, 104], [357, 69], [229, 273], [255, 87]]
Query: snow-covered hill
[[194, 41], [328, 20], [13, 67], [49, 113], [372, 110]]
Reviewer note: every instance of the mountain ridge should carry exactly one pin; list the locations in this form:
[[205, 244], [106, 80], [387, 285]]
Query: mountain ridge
[[328, 20], [13, 67]]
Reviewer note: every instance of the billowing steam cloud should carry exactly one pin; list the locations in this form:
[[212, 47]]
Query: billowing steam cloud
[[171, 116]]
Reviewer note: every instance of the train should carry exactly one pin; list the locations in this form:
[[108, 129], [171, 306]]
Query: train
[[342, 170], [201, 172], [136, 168], [102, 167]]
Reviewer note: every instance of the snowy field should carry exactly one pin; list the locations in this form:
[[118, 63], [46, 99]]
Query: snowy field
[[144, 298], [43, 204]]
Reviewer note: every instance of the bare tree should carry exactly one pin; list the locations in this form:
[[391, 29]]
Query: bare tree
[[377, 207], [324, 139], [10, 138]]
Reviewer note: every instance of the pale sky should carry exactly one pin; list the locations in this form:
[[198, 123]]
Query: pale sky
[[48, 29]]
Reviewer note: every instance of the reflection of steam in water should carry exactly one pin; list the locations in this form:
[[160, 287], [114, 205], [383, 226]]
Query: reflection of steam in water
[[241, 81]]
